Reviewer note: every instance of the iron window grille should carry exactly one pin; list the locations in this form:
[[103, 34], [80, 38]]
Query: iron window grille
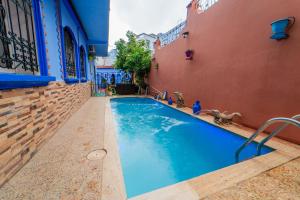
[[82, 64], [18, 53], [70, 57]]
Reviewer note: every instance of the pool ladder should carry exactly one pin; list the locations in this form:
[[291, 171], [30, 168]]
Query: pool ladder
[[284, 120]]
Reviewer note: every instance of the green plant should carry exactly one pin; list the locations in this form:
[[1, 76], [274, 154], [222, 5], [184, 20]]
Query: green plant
[[91, 57], [134, 57]]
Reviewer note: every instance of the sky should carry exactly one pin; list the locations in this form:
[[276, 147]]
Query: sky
[[144, 16]]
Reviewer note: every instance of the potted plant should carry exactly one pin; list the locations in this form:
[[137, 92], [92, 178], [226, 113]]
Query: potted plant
[[189, 54], [91, 57]]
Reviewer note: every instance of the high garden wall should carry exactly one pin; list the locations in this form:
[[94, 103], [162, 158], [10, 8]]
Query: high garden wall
[[236, 66]]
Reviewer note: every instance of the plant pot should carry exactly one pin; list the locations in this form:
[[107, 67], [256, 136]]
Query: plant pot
[[280, 27], [91, 58], [189, 54]]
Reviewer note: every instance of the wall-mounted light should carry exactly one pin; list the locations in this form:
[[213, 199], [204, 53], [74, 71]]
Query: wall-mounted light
[[185, 34], [156, 66], [280, 28]]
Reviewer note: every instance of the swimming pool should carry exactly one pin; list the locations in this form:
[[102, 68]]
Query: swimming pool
[[160, 146]]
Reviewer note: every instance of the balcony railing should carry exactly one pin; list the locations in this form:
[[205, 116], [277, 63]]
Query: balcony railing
[[204, 5], [171, 35]]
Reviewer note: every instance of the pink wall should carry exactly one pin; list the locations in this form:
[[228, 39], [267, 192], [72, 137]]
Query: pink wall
[[236, 67]]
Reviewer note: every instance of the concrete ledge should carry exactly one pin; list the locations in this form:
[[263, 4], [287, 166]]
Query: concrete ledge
[[113, 186]]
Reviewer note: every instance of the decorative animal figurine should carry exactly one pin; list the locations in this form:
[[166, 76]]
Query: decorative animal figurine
[[158, 97], [164, 95], [179, 99], [223, 118]]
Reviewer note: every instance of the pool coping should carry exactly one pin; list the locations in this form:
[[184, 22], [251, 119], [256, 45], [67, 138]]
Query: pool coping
[[113, 186]]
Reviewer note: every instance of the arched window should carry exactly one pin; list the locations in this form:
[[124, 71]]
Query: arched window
[[82, 64], [70, 58]]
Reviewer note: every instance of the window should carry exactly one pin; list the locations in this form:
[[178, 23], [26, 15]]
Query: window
[[70, 55], [82, 64], [18, 53], [23, 60]]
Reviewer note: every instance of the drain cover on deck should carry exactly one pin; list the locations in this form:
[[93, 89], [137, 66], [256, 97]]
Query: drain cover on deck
[[97, 154]]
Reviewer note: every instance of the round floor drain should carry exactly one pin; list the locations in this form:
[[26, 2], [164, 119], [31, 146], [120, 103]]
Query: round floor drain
[[97, 154]]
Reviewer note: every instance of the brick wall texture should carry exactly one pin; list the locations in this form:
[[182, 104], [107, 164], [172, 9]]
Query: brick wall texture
[[29, 117]]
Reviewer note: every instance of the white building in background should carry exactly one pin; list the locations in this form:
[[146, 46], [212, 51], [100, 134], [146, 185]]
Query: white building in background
[[204, 5], [149, 38], [109, 60], [171, 35]]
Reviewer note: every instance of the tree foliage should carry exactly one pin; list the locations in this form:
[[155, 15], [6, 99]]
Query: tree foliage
[[133, 57]]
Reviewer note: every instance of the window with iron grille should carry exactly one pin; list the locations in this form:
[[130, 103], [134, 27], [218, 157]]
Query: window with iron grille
[[18, 53], [82, 63], [70, 58]]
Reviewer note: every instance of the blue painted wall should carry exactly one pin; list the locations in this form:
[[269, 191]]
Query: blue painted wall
[[51, 17], [52, 36]]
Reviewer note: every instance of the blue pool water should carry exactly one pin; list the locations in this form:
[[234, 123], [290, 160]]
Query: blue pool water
[[160, 146]]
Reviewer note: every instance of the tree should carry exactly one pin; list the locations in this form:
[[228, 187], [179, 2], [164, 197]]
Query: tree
[[133, 57]]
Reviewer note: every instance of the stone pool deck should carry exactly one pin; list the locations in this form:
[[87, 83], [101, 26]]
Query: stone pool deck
[[282, 183], [61, 170]]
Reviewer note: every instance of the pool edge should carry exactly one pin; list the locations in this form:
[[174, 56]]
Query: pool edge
[[113, 185]]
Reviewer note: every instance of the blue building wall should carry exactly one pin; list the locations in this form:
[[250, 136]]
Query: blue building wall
[[106, 73], [52, 39], [51, 13], [50, 18]]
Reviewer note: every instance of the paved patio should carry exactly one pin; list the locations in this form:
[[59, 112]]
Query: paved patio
[[61, 170], [279, 183]]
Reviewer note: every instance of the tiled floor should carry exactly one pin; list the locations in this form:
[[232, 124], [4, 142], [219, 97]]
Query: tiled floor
[[61, 170]]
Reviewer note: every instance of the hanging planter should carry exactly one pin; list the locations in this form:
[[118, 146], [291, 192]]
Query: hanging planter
[[189, 54], [91, 57], [280, 28]]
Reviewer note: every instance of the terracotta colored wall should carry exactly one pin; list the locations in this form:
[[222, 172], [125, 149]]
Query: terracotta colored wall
[[236, 67], [29, 117]]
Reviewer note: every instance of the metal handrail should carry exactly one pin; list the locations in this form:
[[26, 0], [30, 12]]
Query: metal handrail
[[155, 89], [146, 92], [158, 91], [274, 133], [262, 128]]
